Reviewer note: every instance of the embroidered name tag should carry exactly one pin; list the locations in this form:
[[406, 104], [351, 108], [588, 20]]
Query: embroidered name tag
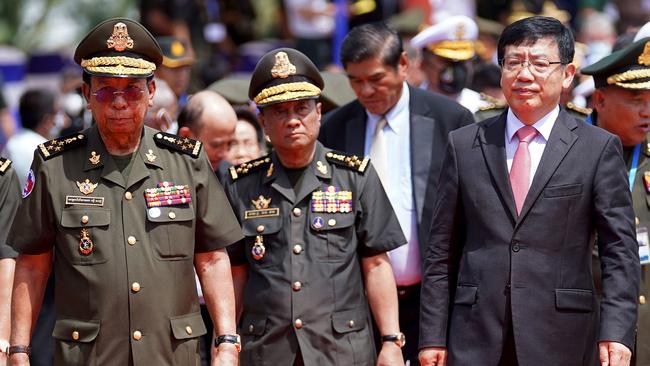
[[84, 201], [267, 212]]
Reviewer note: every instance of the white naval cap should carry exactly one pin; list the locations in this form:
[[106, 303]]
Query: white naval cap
[[643, 32], [453, 38]]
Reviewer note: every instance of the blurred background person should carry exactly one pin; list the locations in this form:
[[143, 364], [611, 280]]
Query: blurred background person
[[247, 143], [176, 68], [162, 114], [311, 23]]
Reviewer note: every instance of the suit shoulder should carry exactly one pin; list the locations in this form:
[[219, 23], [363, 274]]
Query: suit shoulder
[[348, 161], [52, 148], [247, 168], [5, 164], [343, 113], [180, 144]]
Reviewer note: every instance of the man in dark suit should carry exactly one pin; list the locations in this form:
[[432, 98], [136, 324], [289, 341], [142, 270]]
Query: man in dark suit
[[406, 150], [507, 274]]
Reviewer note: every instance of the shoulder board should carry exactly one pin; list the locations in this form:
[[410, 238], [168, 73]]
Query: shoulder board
[[352, 162], [52, 148], [177, 143], [491, 107], [493, 102], [581, 110], [4, 165], [248, 167]]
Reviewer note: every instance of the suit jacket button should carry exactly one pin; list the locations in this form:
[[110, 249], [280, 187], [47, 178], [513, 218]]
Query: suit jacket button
[[515, 248], [298, 323], [641, 300], [75, 335], [137, 335]]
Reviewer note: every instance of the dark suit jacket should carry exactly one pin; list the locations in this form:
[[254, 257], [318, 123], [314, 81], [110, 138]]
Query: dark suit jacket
[[432, 118], [480, 250]]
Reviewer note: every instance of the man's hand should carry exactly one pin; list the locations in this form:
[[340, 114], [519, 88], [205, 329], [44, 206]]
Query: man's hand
[[225, 355], [433, 356], [390, 355], [19, 359], [614, 354]]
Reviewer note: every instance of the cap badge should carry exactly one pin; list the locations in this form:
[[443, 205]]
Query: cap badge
[[460, 31], [120, 39], [177, 49], [282, 67], [644, 58]]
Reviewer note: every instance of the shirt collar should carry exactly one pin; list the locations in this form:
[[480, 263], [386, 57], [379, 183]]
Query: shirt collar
[[543, 126], [391, 116]]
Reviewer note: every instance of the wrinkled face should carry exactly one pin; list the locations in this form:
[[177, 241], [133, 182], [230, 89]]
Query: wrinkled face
[[377, 86], [245, 145], [624, 112], [119, 105], [292, 126], [217, 136], [532, 94], [178, 78]]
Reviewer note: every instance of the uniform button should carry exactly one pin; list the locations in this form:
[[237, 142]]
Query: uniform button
[[351, 324], [297, 249], [331, 222], [172, 215], [128, 196], [85, 219], [641, 300], [131, 240], [135, 287], [137, 335], [298, 323], [188, 329], [75, 335], [515, 248], [251, 328], [296, 286], [297, 212], [260, 229]]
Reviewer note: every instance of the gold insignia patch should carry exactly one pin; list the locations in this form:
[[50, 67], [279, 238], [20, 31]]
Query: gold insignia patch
[[243, 169], [644, 58], [349, 161], [87, 187], [4, 165], [322, 168], [94, 158], [261, 202], [120, 39], [282, 67], [54, 147], [184, 145], [150, 156]]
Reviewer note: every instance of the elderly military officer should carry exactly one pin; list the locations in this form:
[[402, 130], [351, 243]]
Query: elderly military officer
[[317, 224], [622, 104], [128, 212]]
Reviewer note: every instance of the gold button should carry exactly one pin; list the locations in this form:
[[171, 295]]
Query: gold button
[[135, 287], [331, 222], [351, 324], [297, 249], [637, 221], [260, 229], [188, 329], [641, 300], [128, 196], [131, 240], [75, 335], [296, 212], [172, 215], [85, 219], [296, 286], [251, 328], [137, 335], [298, 323]]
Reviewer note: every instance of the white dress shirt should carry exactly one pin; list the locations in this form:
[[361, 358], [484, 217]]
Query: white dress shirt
[[20, 150]]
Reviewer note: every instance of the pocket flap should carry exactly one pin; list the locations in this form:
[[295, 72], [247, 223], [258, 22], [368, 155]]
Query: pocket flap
[[253, 324], [465, 295], [73, 330], [170, 213], [187, 326], [349, 320], [77, 216], [574, 299], [563, 190], [321, 221], [261, 226]]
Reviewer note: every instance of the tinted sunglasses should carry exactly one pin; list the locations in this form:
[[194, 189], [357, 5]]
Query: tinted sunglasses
[[108, 94]]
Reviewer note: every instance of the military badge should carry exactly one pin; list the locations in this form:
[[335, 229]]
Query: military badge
[[646, 182], [87, 187], [120, 39], [84, 201], [86, 245], [318, 223], [167, 194], [282, 67], [29, 184], [258, 249], [322, 168], [332, 200], [150, 156], [262, 208], [94, 158]]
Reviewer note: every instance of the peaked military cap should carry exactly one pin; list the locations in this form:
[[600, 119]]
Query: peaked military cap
[[283, 75], [176, 53], [628, 68], [119, 47], [453, 38]]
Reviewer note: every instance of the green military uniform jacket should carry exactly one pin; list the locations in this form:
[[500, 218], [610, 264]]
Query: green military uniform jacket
[[131, 299], [307, 291], [9, 201]]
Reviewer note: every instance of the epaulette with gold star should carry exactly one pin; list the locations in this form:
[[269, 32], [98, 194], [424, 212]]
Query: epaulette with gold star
[[492, 103], [578, 109], [52, 148], [352, 162], [177, 143], [248, 167], [4, 165]]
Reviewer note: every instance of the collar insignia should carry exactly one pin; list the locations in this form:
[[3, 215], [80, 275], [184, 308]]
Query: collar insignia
[[150, 156], [322, 168], [94, 158]]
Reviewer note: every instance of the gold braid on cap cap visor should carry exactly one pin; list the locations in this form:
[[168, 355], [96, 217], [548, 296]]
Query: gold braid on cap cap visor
[[118, 65], [454, 50], [286, 92], [621, 79]]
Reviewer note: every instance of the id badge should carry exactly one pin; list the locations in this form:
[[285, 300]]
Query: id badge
[[644, 244]]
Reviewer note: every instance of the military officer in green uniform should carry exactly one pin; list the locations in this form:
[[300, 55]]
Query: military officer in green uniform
[[9, 201], [317, 226], [622, 106], [128, 213]]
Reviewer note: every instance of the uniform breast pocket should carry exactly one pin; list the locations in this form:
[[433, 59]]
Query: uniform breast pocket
[[264, 245], [171, 232], [335, 233], [84, 238]]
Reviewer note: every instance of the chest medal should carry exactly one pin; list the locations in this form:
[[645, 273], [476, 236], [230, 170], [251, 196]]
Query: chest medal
[[258, 249], [85, 243]]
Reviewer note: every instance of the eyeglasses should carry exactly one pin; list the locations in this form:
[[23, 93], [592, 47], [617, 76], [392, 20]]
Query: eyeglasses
[[108, 94], [539, 66]]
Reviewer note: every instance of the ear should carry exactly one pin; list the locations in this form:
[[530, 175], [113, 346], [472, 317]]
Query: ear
[[152, 90], [85, 91], [569, 73], [403, 65], [185, 132], [598, 100], [261, 120]]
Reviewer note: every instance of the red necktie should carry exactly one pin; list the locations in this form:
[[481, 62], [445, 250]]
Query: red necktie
[[520, 170]]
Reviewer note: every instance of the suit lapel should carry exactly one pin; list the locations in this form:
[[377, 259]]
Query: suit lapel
[[422, 132], [355, 132]]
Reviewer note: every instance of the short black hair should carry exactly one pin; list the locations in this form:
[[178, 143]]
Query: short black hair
[[372, 40], [34, 106], [530, 30], [190, 116]]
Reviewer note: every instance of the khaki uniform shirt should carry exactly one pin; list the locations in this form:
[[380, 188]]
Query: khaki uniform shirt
[[9, 202], [307, 291], [132, 299]]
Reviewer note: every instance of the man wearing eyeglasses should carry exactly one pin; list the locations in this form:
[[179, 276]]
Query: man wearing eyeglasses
[[123, 214], [507, 275]]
